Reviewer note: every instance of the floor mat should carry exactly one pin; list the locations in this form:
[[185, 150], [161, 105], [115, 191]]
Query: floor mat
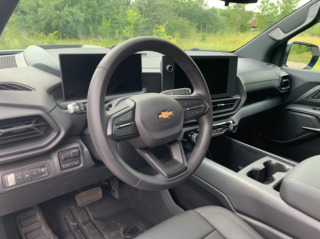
[[135, 212], [32, 224], [107, 218]]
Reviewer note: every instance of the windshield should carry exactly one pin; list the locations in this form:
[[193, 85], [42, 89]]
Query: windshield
[[207, 25]]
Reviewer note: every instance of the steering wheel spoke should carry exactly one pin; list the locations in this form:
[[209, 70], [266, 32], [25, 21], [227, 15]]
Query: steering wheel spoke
[[193, 106], [176, 165], [120, 121]]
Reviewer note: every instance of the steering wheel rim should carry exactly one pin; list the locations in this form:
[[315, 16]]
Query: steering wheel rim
[[107, 147]]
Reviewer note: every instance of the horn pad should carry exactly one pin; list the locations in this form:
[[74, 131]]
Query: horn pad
[[159, 118]]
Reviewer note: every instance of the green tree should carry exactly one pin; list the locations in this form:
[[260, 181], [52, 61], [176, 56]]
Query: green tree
[[154, 12], [161, 31], [73, 18], [286, 7], [181, 27], [198, 13], [271, 12], [268, 15], [132, 17], [236, 18]]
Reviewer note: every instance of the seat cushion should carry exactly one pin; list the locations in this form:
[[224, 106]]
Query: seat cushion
[[203, 223], [300, 188]]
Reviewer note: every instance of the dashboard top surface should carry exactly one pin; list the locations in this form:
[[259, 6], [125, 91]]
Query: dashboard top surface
[[43, 61]]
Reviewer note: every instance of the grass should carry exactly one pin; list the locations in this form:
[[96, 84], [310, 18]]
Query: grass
[[13, 38], [17, 39], [23, 41], [225, 42]]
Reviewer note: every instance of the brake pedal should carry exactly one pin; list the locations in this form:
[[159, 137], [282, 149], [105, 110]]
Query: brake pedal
[[87, 197]]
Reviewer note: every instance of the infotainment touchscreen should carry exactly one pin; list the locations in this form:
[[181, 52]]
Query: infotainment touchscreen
[[77, 70], [219, 73]]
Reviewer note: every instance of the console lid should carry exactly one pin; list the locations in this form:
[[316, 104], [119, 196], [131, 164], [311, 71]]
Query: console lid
[[301, 187]]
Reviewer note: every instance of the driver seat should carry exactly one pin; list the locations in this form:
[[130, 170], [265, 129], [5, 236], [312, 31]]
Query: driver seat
[[209, 222]]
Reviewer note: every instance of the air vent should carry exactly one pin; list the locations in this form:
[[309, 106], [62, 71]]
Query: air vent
[[15, 87], [8, 62], [224, 105], [284, 84], [23, 128]]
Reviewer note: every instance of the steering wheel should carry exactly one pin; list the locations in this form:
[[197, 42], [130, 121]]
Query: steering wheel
[[149, 120]]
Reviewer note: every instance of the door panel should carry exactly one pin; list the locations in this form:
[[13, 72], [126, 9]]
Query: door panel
[[281, 131], [288, 133], [302, 80]]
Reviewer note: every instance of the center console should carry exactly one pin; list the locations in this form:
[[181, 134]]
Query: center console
[[247, 180]]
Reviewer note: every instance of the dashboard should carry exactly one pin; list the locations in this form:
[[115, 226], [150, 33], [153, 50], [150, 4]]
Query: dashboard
[[40, 137]]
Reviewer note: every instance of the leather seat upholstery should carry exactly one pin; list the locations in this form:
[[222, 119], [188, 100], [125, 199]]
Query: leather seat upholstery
[[203, 223]]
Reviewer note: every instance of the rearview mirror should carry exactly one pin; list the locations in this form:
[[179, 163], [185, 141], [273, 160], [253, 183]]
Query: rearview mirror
[[301, 55], [239, 1]]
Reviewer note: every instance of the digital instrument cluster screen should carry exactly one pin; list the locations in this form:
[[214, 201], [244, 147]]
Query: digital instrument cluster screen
[[77, 71]]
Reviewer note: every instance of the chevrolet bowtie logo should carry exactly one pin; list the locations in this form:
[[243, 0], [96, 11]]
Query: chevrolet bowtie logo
[[165, 114]]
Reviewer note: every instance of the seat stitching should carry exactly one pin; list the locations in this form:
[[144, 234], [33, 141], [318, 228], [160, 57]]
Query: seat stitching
[[213, 232], [229, 215], [236, 220], [209, 232]]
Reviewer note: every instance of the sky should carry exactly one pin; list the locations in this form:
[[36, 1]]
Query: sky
[[220, 4]]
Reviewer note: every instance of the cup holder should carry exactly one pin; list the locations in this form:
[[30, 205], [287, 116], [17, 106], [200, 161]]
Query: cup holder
[[265, 175]]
